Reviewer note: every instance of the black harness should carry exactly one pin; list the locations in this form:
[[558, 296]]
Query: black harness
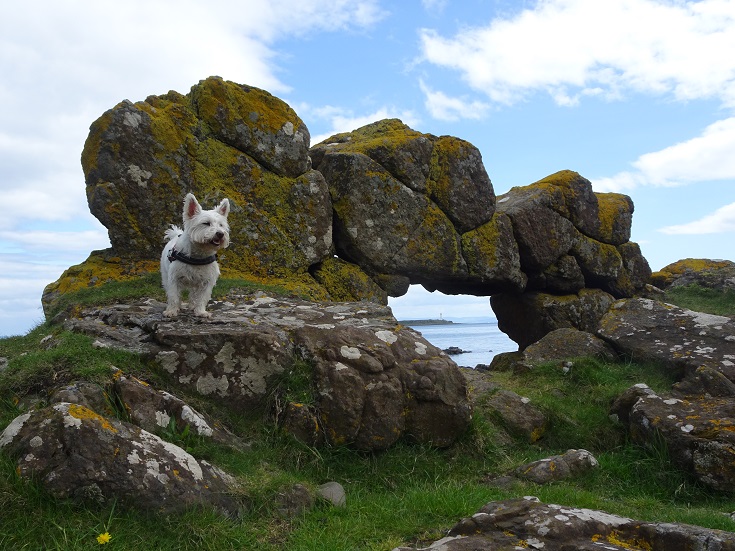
[[186, 259]]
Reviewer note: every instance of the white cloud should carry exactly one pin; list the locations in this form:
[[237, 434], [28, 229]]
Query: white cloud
[[568, 48], [720, 221], [706, 157], [64, 64], [59, 242], [446, 108]]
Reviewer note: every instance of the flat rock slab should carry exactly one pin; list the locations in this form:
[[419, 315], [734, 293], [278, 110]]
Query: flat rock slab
[[650, 330], [529, 524], [373, 380]]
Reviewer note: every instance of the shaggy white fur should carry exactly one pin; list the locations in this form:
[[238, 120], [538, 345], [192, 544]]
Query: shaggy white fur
[[189, 258]]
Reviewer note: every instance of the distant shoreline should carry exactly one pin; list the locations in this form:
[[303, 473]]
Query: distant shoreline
[[425, 322]]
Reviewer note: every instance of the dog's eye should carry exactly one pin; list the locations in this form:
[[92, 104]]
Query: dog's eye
[[207, 223]]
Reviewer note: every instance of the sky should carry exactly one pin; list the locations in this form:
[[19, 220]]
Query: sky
[[638, 96]]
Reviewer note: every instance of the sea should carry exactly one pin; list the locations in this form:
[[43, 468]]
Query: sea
[[481, 340]]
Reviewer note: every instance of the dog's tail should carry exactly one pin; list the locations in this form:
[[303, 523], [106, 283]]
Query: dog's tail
[[172, 233]]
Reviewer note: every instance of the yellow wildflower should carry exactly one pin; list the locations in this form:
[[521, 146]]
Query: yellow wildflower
[[104, 538]]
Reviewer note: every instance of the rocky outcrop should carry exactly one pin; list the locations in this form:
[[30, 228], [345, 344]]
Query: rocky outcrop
[[397, 207], [529, 524], [711, 274], [696, 422], [370, 381], [528, 317], [77, 453], [683, 340], [695, 431]]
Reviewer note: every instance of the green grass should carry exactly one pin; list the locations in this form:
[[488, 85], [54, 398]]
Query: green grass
[[148, 286], [701, 299], [407, 495]]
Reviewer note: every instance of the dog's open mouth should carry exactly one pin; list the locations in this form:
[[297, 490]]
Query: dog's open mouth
[[217, 241]]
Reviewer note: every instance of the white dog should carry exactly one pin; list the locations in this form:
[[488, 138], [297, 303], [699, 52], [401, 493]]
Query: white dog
[[189, 260]]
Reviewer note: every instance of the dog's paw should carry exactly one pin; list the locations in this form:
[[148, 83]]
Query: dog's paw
[[202, 314], [170, 313]]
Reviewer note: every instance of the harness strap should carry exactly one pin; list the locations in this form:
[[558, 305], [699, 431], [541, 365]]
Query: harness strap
[[186, 259]]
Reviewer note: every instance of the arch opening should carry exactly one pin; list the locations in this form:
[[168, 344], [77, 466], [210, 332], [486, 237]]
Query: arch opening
[[464, 322]]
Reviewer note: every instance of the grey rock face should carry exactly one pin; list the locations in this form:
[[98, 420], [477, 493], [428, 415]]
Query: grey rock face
[[372, 381]]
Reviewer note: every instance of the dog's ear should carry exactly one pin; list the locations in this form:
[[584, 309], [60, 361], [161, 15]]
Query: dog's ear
[[224, 207], [191, 206]]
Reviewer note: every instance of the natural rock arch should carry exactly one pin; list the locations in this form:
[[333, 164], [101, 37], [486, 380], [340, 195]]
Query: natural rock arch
[[359, 216]]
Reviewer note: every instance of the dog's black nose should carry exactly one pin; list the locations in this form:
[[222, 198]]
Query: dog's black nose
[[220, 234]]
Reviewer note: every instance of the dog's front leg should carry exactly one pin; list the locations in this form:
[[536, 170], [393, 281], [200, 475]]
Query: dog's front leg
[[199, 298]]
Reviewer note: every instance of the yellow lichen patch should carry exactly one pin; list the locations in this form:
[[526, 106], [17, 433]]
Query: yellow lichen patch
[[98, 269], [82, 413], [347, 282], [636, 544], [222, 103], [389, 134], [614, 211], [664, 277]]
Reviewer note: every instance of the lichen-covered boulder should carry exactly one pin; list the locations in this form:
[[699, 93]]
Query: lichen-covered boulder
[[712, 274], [566, 343], [527, 317], [448, 170], [557, 467], [517, 414], [698, 432], [220, 140], [559, 221], [683, 340], [526, 523], [371, 380], [420, 206], [74, 452]]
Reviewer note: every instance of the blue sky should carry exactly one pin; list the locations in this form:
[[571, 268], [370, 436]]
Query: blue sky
[[638, 96]]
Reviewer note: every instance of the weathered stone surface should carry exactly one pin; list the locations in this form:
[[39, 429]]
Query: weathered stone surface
[[157, 410], [527, 317], [449, 171], [557, 467], [518, 415], [253, 121], [529, 524], [384, 225], [90, 395], [566, 343], [221, 140], [681, 339], [712, 274], [698, 432], [420, 206], [294, 501], [76, 453], [373, 380], [396, 205]]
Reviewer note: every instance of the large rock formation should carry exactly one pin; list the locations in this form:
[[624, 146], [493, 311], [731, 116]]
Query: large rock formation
[[369, 382], [395, 205]]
